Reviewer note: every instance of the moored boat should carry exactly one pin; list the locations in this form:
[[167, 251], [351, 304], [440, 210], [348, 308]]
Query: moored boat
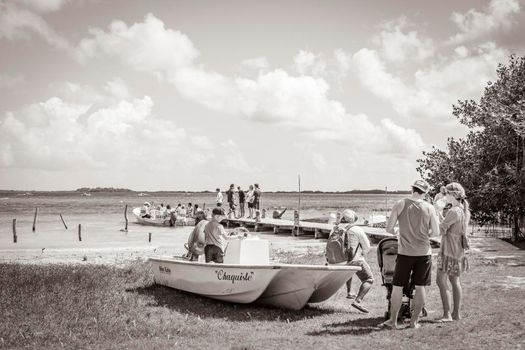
[[161, 221], [247, 276]]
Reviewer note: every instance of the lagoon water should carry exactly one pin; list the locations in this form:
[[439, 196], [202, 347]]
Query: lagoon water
[[102, 218]]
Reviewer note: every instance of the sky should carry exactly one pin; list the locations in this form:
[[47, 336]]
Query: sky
[[194, 95]]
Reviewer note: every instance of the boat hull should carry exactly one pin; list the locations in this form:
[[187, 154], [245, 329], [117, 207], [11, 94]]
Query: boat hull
[[280, 285]]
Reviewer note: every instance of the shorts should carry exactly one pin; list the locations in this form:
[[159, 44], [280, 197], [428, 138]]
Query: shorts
[[232, 206], [213, 253], [365, 275], [250, 204], [413, 270]]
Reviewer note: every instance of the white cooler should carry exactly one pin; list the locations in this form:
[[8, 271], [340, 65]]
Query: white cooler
[[247, 252]]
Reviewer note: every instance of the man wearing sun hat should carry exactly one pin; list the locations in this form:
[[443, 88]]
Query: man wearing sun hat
[[360, 244], [417, 222]]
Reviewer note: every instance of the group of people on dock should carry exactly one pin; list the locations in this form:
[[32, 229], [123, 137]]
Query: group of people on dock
[[238, 199]]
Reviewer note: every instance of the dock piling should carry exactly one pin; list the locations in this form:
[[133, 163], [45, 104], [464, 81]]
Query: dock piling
[[80, 232], [34, 219], [126, 217], [15, 237], [149, 237], [61, 218]]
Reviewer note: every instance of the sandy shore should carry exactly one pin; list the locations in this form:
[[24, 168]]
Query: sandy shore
[[122, 248]]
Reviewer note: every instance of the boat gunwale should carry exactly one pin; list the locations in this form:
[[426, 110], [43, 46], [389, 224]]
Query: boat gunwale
[[270, 266]]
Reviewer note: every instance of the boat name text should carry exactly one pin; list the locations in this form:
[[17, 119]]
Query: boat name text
[[237, 277], [163, 269]]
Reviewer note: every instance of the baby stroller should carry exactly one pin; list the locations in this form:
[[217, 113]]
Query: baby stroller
[[386, 258]]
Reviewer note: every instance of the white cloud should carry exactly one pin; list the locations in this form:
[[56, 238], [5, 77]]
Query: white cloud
[[201, 142], [17, 23], [433, 89], [44, 5], [306, 62], [397, 44], [297, 102], [478, 24], [258, 63]]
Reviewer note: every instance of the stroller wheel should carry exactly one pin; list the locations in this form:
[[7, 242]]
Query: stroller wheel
[[387, 315], [424, 312]]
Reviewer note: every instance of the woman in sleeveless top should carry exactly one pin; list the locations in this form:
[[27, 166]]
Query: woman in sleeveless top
[[451, 261]]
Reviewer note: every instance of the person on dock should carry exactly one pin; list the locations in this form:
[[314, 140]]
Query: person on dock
[[451, 260], [219, 197], [256, 197], [359, 243], [242, 200], [215, 237], [229, 197], [417, 222], [250, 199]]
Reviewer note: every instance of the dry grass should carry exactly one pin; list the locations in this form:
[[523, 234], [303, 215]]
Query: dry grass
[[103, 307]]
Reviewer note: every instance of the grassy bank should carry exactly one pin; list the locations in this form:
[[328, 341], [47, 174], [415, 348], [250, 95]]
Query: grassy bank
[[54, 306]]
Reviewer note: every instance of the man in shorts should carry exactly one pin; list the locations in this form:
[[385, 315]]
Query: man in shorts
[[215, 237], [360, 245], [417, 222], [229, 198]]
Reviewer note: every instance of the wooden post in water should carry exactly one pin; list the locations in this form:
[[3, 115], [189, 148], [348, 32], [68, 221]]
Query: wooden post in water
[[61, 218], [296, 222], [34, 219], [15, 238], [80, 232], [386, 199], [126, 217], [149, 237]]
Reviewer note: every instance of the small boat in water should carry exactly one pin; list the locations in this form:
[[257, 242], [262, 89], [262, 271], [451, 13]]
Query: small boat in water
[[85, 194], [247, 276], [160, 221]]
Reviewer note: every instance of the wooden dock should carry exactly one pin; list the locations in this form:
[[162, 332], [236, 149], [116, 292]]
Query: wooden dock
[[318, 230]]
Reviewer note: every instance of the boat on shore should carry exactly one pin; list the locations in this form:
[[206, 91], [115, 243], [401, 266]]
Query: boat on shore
[[247, 276]]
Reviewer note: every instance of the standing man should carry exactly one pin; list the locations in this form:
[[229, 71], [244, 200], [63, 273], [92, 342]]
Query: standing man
[[219, 197], [417, 221], [242, 200], [215, 237], [257, 197], [229, 198]]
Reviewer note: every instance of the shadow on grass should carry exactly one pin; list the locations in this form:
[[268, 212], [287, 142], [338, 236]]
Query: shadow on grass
[[361, 326], [188, 303]]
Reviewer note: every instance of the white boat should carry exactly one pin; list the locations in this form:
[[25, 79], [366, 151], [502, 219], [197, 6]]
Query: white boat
[[158, 221], [247, 276], [85, 194]]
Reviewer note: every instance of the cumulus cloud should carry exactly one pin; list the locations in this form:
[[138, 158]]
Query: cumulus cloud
[[300, 102], [433, 89], [258, 63], [474, 24], [397, 43], [44, 5], [19, 23]]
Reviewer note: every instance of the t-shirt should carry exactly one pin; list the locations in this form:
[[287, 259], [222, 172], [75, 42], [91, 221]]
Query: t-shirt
[[229, 195], [219, 197], [414, 228], [256, 195], [241, 196], [360, 234], [214, 234], [196, 240]]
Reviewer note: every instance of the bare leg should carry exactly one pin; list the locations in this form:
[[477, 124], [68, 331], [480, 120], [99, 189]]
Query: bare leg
[[348, 286], [395, 305], [457, 295], [363, 290], [419, 301], [441, 279]]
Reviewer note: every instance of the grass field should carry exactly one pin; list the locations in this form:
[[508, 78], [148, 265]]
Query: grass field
[[104, 307]]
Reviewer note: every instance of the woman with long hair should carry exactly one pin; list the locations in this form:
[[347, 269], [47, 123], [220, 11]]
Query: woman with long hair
[[451, 261]]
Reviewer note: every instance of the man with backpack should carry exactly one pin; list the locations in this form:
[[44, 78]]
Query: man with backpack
[[349, 244]]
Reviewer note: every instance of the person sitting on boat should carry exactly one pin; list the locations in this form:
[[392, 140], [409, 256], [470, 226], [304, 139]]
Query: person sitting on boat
[[215, 237], [219, 197], [162, 211], [144, 211], [196, 240], [189, 211]]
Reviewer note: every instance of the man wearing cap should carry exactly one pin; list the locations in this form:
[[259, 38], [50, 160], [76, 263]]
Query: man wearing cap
[[215, 237], [360, 245], [417, 222]]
